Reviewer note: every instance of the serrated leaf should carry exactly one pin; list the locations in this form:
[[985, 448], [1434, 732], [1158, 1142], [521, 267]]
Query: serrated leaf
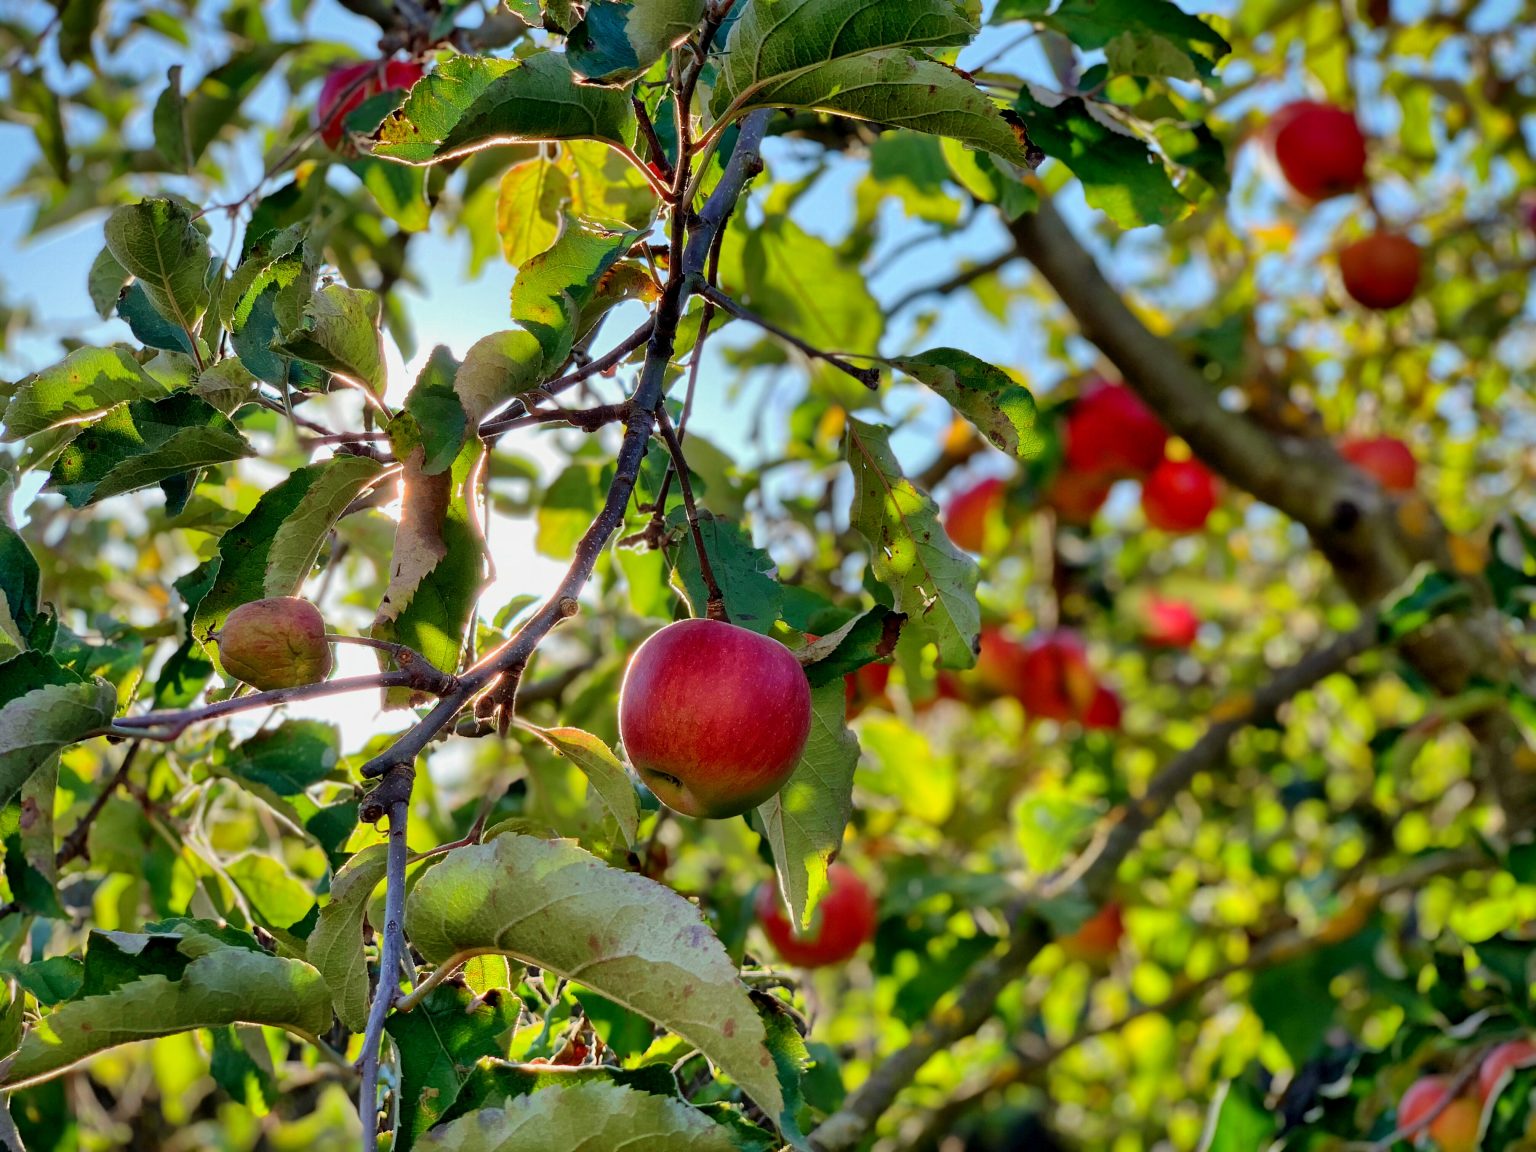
[[226, 385], [1142, 37], [440, 419], [147, 325], [868, 637], [776, 41], [86, 383], [223, 986], [1001, 409], [277, 897], [625, 937], [553, 287], [608, 778], [618, 40], [37, 724], [528, 206], [584, 1118], [440, 1043], [747, 575], [170, 123], [156, 242], [289, 757], [336, 945], [399, 190], [19, 577], [339, 333], [265, 300], [496, 368], [469, 103], [805, 821], [144, 442], [105, 282], [930, 580], [271, 551], [605, 188]]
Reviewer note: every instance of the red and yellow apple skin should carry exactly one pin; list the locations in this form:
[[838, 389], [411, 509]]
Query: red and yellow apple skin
[[713, 717], [1318, 148], [1109, 432], [1055, 680], [275, 643], [965, 520], [1179, 496], [1381, 271], [1168, 623], [1422, 1098], [1456, 1128], [1103, 711], [1510, 1054], [1386, 458], [1098, 940], [843, 921], [345, 90]]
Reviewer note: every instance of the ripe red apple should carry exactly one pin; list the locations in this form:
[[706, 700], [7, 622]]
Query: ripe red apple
[[1055, 681], [1078, 496], [1103, 711], [1000, 662], [1098, 939], [865, 688], [713, 717], [965, 520], [1168, 623], [1110, 432], [1318, 148], [843, 921], [1381, 271], [1422, 1098], [1386, 458], [345, 90], [1510, 1054], [278, 642], [1456, 1128], [1179, 496]]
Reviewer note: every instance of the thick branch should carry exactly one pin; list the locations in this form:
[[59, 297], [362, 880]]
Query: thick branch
[[1119, 832], [392, 940]]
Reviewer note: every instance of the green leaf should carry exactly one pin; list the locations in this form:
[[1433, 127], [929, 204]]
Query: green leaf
[[605, 188], [496, 368], [336, 945], [36, 725], [1050, 822], [105, 282], [777, 41], [469, 103], [340, 334], [86, 383], [399, 190], [277, 897], [805, 821], [271, 551], [440, 419], [170, 124], [1120, 174], [148, 326], [289, 757], [625, 937], [437, 566], [492, 1082], [868, 637], [593, 1115], [553, 287], [222, 986], [1002, 410], [747, 575], [931, 580], [528, 206], [440, 1042], [144, 442], [33, 102], [227, 385], [1240, 1119], [156, 242], [608, 778], [1142, 37], [619, 40], [215, 103], [19, 577], [265, 300]]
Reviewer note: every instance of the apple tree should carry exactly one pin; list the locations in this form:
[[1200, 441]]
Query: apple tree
[[973, 595]]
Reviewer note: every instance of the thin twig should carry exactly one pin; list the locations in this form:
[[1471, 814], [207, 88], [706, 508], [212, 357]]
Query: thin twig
[[715, 604], [959, 280], [869, 377], [514, 413]]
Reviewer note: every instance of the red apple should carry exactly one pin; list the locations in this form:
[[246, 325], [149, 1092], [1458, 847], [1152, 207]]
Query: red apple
[[1000, 663], [965, 520], [1456, 1128], [278, 642], [1099, 937], [345, 90], [1381, 271], [1103, 711], [1110, 432], [1510, 1054], [843, 921], [713, 717], [1179, 496], [1422, 1098], [866, 687], [1318, 148], [1168, 623], [1055, 681], [1386, 458], [1078, 496]]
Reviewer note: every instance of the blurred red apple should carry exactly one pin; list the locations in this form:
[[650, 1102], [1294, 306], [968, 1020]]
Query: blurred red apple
[[1510, 1054], [865, 688], [841, 924], [1381, 271], [965, 520], [1318, 148], [713, 717], [1110, 432], [1456, 1129], [1103, 712], [1078, 496], [1422, 1098], [1098, 939], [1168, 623], [1178, 496], [345, 90], [1386, 458], [1055, 681]]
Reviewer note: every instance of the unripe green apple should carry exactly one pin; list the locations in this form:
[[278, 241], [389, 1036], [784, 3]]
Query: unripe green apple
[[714, 717], [275, 643]]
